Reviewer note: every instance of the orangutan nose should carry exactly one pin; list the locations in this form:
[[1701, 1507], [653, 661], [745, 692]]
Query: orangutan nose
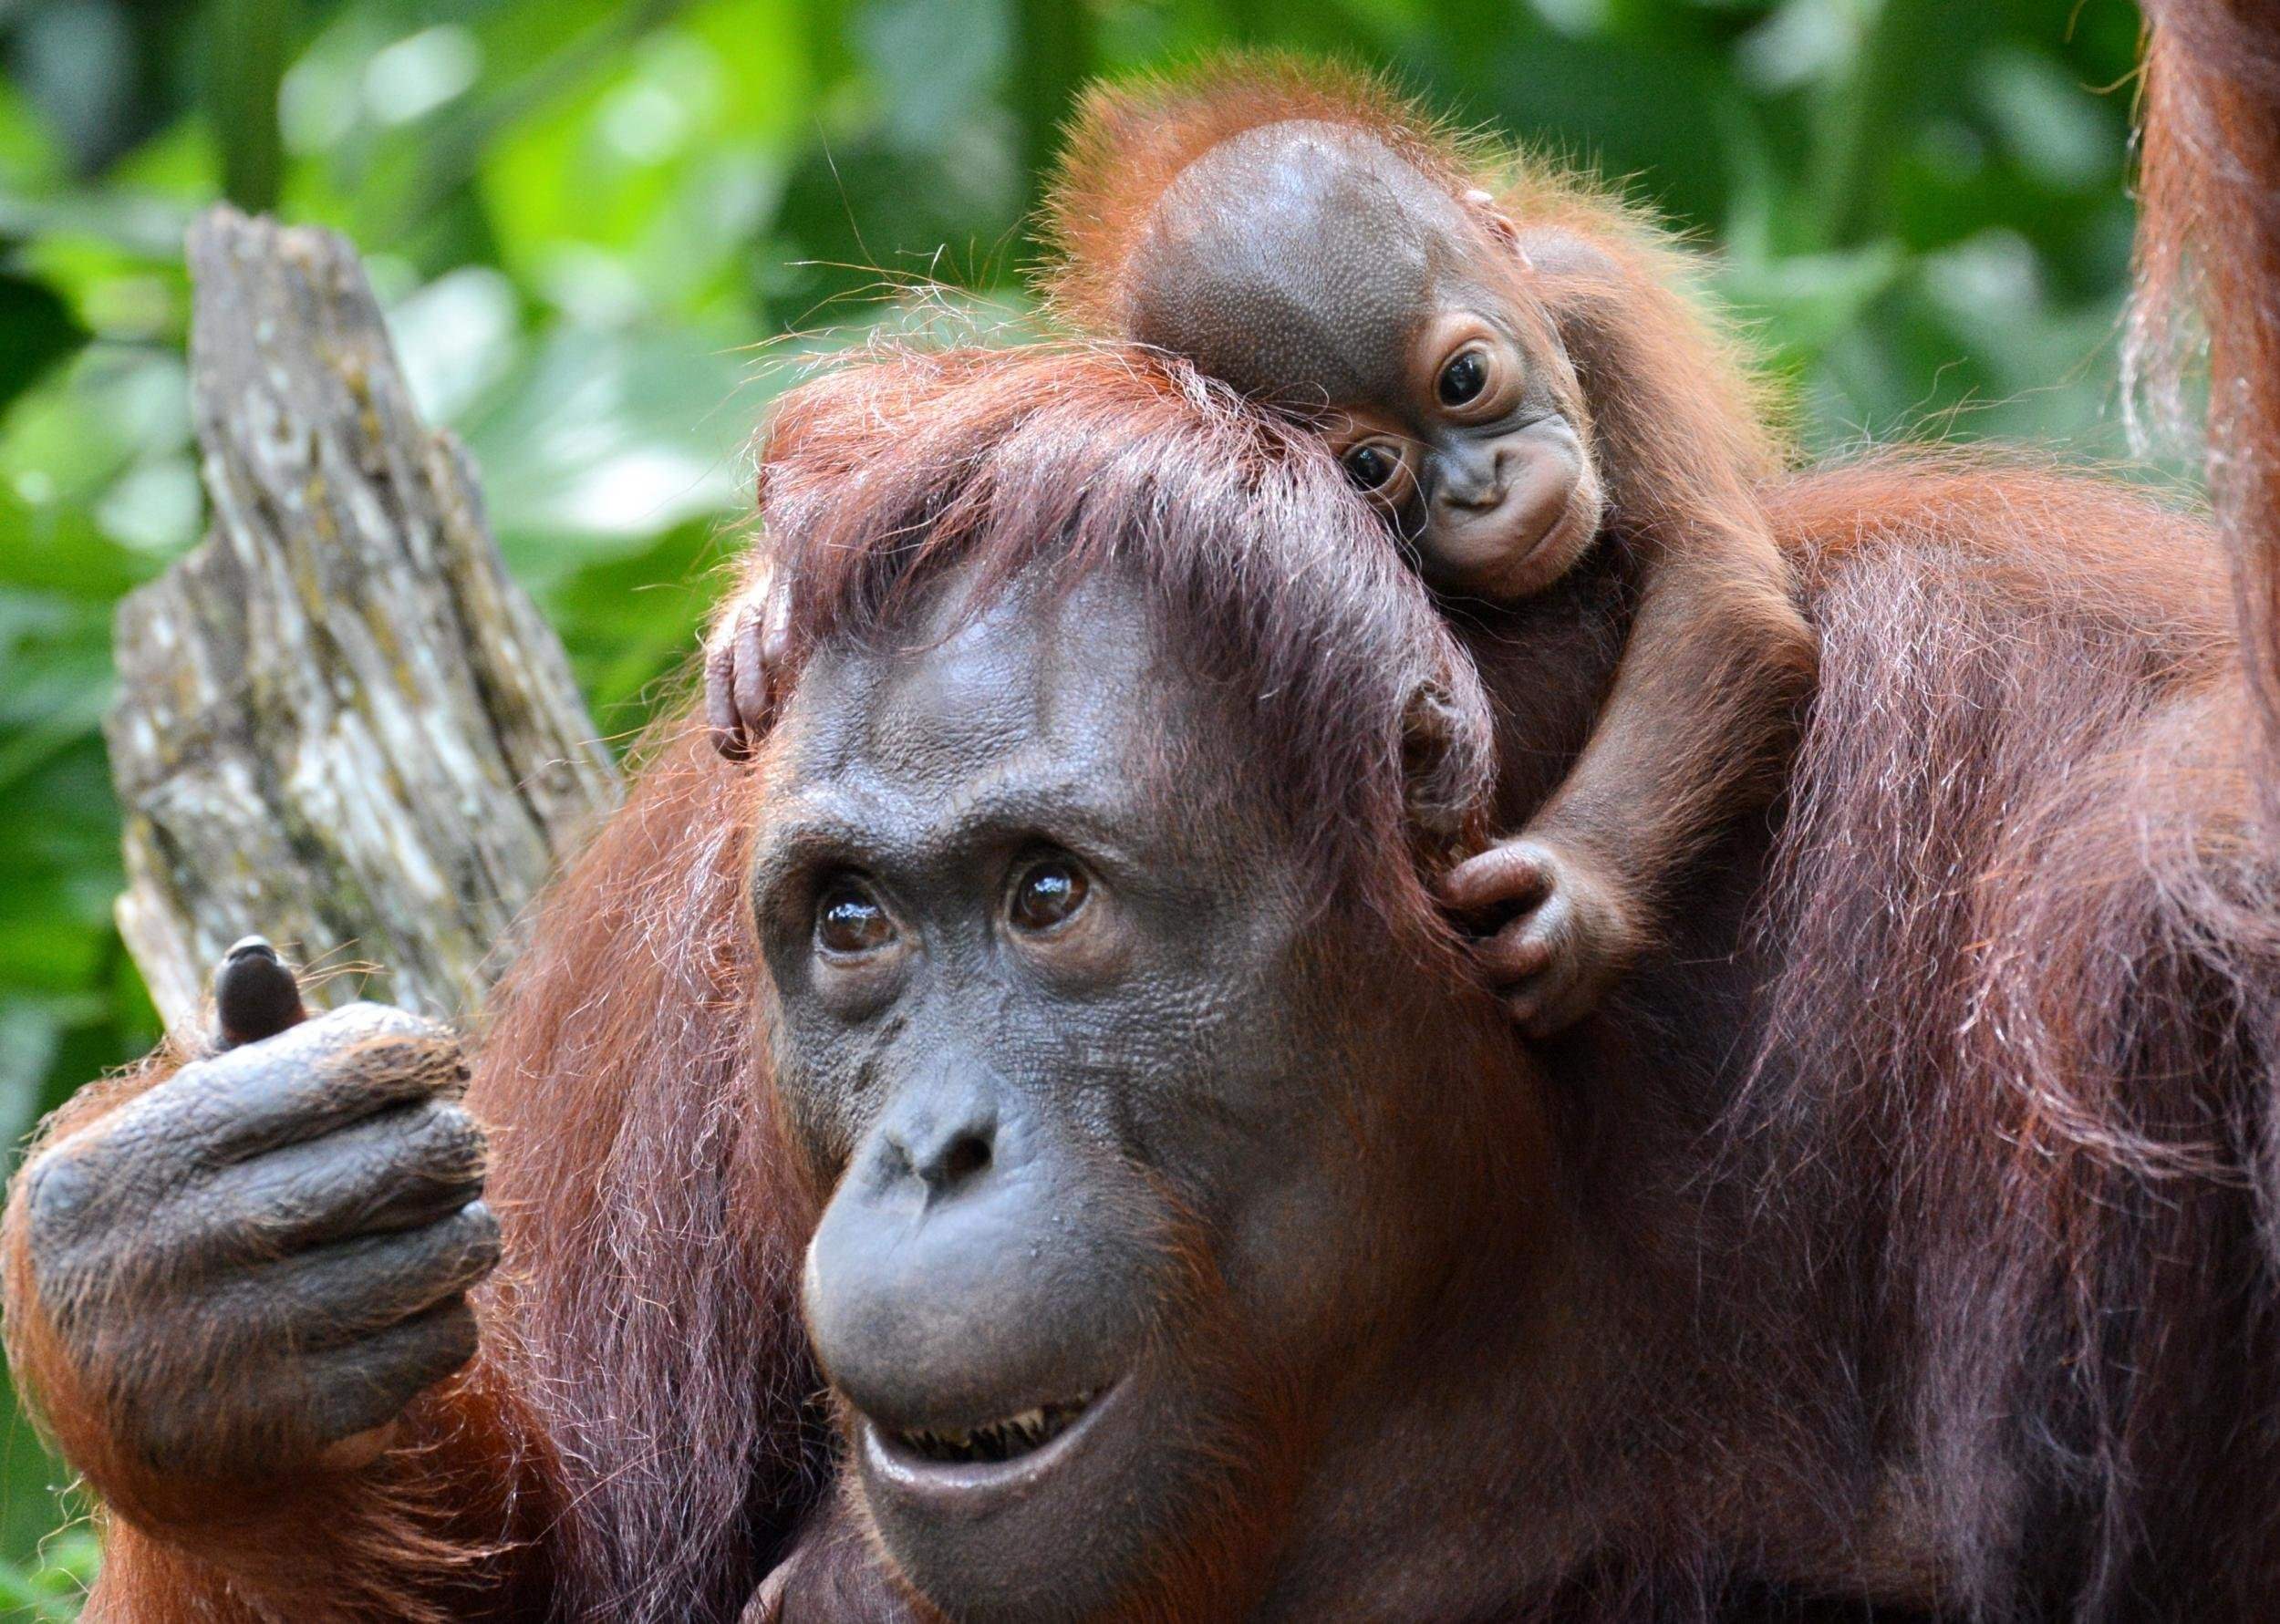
[[947, 1149], [1471, 479]]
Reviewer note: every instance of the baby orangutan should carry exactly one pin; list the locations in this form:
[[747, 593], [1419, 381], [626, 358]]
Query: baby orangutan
[[1504, 362]]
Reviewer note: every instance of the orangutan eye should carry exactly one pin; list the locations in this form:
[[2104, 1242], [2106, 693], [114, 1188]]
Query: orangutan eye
[[1370, 465], [850, 919], [1049, 892], [1463, 378]]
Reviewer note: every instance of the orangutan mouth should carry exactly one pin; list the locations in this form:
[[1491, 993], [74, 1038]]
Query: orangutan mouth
[[1005, 1440]]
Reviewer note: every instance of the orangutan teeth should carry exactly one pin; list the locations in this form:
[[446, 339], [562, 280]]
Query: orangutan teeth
[[1004, 1439]]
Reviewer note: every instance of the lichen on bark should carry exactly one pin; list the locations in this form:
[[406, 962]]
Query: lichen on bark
[[340, 722]]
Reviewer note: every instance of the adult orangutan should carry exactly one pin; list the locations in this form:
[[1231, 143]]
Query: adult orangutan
[[1054, 1025]]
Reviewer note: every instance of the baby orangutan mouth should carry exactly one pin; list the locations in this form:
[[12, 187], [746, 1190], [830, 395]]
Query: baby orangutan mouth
[[1006, 1440]]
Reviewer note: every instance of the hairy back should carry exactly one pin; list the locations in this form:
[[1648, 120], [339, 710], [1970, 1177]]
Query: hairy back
[[2017, 1050]]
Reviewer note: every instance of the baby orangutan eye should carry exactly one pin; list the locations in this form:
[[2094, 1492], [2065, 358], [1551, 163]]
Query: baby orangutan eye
[[1462, 380], [1372, 465], [1049, 892], [849, 919]]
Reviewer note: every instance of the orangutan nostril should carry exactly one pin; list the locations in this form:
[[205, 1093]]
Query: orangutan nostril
[[967, 1157]]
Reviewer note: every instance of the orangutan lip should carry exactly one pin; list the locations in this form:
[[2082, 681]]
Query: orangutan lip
[[1009, 1453], [1516, 569], [1553, 532]]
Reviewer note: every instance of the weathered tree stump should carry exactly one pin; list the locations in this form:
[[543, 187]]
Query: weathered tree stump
[[339, 722]]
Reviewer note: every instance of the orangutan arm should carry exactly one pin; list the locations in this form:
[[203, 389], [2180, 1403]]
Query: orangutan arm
[[1718, 656], [1689, 737]]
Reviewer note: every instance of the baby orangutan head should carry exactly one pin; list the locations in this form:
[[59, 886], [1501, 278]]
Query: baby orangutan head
[[1308, 264]]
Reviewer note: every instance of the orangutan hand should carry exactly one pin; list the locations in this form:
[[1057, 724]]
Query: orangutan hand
[[1577, 931], [833, 1575], [250, 1270], [744, 670]]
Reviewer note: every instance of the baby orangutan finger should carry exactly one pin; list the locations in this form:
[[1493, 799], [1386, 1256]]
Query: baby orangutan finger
[[1550, 1004], [766, 1606], [743, 669], [751, 679], [1528, 1007], [1547, 1002], [721, 716], [833, 1575], [1513, 871], [1559, 964], [1515, 953]]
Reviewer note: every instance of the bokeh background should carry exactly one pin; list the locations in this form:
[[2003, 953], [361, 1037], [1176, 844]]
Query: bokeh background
[[586, 217]]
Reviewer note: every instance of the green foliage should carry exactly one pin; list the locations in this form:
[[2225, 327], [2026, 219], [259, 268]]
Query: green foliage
[[596, 221]]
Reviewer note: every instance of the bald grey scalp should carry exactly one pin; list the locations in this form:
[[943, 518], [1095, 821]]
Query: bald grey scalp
[[1297, 260]]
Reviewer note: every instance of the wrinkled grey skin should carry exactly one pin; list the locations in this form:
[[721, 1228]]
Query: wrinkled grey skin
[[1162, 1065], [267, 1254]]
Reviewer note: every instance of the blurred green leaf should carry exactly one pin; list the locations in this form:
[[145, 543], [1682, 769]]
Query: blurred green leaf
[[41, 331]]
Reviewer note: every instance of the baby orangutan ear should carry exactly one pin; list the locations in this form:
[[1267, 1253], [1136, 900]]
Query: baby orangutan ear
[[1482, 206], [1564, 256], [1447, 764]]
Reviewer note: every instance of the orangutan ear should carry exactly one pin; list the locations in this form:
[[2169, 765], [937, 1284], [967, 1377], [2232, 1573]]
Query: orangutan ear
[[1564, 256], [1586, 293], [1482, 206]]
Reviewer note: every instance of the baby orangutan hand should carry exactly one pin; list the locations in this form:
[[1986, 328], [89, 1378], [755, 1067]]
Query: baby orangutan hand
[[744, 669], [1577, 929], [832, 1576]]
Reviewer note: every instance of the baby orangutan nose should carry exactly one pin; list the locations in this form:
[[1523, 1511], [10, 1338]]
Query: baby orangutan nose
[[963, 1290], [1470, 480]]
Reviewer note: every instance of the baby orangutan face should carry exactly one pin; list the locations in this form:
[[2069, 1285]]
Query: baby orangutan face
[[1472, 458], [1310, 265]]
